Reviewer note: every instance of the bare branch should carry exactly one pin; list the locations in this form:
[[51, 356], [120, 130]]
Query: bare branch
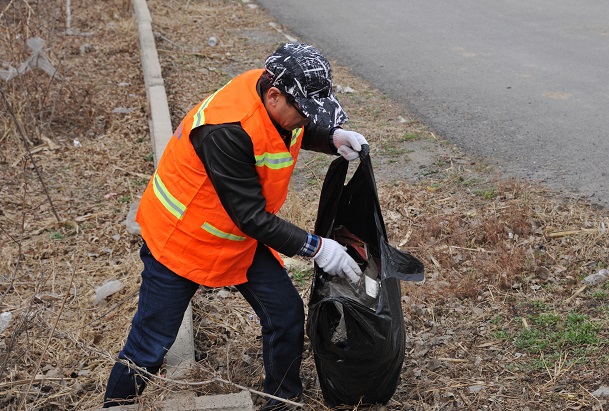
[[31, 157]]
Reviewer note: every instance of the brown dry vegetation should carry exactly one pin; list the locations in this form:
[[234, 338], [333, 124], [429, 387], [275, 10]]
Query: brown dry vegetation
[[502, 322]]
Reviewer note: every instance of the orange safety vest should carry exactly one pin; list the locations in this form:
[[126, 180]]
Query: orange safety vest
[[180, 214]]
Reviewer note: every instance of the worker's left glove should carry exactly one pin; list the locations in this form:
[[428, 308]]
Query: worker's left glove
[[348, 143], [334, 260]]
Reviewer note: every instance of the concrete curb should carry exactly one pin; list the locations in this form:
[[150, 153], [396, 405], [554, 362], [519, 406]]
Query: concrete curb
[[161, 129], [180, 357]]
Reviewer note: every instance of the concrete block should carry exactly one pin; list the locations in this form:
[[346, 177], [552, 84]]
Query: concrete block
[[132, 226], [241, 401], [149, 56], [160, 120], [231, 402], [181, 356], [142, 14]]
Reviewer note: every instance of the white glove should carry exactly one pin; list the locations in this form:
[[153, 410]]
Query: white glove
[[348, 143], [334, 260]]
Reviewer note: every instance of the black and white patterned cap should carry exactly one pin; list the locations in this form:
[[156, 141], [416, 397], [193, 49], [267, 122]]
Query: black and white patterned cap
[[301, 71]]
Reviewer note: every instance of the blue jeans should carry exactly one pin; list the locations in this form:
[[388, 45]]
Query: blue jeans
[[164, 297]]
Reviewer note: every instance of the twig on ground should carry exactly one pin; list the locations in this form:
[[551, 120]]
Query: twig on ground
[[576, 293], [183, 52], [9, 108], [559, 368], [141, 175], [48, 341], [10, 3], [558, 234], [8, 384], [455, 360], [162, 36]]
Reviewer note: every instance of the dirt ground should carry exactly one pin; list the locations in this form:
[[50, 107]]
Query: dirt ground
[[503, 321]]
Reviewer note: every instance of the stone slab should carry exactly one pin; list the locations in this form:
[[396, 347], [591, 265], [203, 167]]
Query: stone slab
[[241, 401]]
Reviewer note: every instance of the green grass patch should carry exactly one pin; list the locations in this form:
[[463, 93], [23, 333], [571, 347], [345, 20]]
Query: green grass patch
[[435, 186], [430, 171], [501, 335], [56, 235], [537, 305], [548, 336], [470, 182], [139, 182], [487, 194], [302, 277], [393, 151], [553, 332], [409, 137]]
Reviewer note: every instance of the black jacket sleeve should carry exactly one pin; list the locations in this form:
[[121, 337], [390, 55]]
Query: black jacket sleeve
[[318, 139], [227, 153]]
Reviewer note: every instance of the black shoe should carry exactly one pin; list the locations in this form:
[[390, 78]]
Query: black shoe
[[276, 405]]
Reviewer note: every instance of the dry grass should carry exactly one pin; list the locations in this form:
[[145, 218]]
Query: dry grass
[[502, 321]]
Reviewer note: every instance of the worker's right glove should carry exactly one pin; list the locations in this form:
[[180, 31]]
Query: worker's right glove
[[334, 260], [348, 143]]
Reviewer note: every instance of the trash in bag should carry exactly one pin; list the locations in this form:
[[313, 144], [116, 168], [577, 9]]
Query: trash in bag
[[357, 330]]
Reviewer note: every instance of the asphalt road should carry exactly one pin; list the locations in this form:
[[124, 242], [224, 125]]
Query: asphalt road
[[524, 84]]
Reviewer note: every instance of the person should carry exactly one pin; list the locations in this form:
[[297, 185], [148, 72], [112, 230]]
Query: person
[[208, 215]]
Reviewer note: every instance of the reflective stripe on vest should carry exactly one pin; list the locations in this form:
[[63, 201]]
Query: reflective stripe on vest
[[276, 161], [178, 133], [295, 134], [171, 203], [199, 118], [219, 233]]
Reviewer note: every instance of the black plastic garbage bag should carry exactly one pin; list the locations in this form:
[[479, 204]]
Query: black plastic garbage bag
[[357, 330]]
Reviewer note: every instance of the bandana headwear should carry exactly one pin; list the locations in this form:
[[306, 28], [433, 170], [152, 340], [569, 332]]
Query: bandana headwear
[[301, 71]]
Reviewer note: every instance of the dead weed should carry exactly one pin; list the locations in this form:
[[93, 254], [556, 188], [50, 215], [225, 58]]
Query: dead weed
[[502, 321]]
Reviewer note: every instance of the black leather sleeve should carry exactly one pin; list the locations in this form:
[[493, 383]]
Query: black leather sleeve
[[227, 153], [318, 139]]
